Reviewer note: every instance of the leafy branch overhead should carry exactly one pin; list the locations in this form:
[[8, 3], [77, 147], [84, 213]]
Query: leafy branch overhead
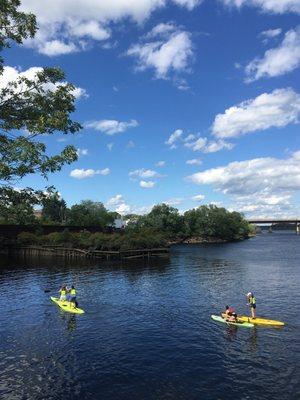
[[31, 107]]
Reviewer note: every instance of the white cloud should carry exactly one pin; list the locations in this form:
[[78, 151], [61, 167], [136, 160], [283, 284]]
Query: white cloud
[[276, 109], [147, 184], [261, 183], [271, 33], [111, 126], [190, 4], [198, 197], [169, 52], [205, 146], [65, 28], [55, 48], [176, 201], [110, 146], [271, 6], [12, 74], [82, 152], [118, 204], [88, 173], [278, 61], [130, 144], [174, 138], [115, 201], [194, 161], [91, 29], [160, 164], [143, 174]]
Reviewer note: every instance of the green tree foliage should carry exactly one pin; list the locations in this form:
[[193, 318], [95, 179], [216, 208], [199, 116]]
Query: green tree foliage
[[54, 209], [89, 213], [15, 25], [165, 219], [16, 207], [215, 222], [29, 109]]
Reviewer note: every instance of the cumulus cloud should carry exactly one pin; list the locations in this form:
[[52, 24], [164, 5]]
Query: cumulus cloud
[[130, 144], [147, 184], [175, 201], [276, 109], [205, 146], [160, 164], [64, 28], [82, 152], [198, 197], [197, 143], [144, 174], [110, 146], [174, 137], [278, 61], [118, 204], [271, 33], [111, 126], [88, 173], [169, 52], [12, 74], [194, 161], [265, 182], [270, 6]]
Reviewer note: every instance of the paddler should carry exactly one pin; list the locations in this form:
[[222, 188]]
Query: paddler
[[252, 304], [72, 294], [63, 293], [231, 315]]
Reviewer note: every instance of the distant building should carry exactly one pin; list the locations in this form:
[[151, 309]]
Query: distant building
[[38, 213], [119, 223]]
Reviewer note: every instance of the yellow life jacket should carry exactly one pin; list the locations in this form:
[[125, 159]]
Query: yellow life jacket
[[73, 292]]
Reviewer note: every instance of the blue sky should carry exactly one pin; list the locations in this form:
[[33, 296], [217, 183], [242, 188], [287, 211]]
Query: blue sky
[[182, 101]]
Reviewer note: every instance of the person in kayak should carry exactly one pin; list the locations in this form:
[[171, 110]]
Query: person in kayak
[[63, 293], [231, 315], [72, 296], [252, 304]]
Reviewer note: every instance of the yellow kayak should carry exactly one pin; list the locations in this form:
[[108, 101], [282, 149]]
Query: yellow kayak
[[67, 306], [259, 321]]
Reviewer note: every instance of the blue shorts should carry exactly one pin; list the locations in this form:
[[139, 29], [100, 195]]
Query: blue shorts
[[253, 306]]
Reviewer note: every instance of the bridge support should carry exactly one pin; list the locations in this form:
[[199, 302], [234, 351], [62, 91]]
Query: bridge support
[[298, 228]]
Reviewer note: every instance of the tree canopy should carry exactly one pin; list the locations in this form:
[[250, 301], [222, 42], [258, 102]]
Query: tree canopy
[[89, 213], [30, 107]]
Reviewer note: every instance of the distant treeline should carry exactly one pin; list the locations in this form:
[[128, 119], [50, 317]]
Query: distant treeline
[[162, 225]]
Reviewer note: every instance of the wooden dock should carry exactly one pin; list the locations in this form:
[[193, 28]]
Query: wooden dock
[[72, 253]]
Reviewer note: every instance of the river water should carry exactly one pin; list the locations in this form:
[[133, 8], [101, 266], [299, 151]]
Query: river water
[[147, 332]]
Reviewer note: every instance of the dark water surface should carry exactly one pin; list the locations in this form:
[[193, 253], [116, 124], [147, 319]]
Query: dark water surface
[[147, 332]]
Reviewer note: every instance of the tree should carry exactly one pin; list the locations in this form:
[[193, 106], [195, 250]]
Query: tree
[[165, 219], [215, 222], [17, 208], [89, 213], [15, 25], [54, 208], [30, 108]]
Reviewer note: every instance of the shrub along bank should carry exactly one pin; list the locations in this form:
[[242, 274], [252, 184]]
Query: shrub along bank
[[162, 226]]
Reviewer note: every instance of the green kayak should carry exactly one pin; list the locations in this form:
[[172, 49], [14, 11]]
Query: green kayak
[[243, 324]]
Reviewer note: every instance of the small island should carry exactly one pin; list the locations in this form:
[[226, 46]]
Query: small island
[[89, 230]]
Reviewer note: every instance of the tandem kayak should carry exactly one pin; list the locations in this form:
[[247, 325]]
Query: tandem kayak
[[67, 306], [259, 321], [243, 324]]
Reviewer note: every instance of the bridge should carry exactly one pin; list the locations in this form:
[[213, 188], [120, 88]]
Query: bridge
[[273, 221]]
